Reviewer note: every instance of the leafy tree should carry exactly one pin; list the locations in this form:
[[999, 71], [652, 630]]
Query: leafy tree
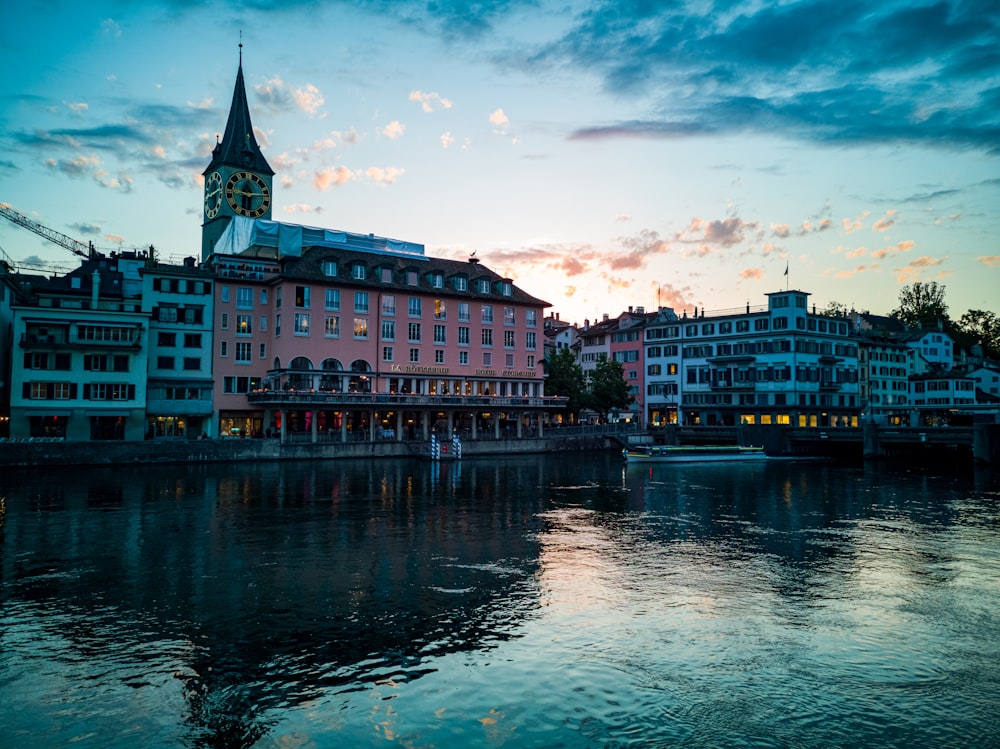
[[921, 305], [980, 326], [564, 376], [608, 388], [835, 309]]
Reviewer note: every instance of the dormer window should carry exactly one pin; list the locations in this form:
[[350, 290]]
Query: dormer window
[[411, 278], [386, 275], [506, 288], [358, 272], [461, 283], [330, 268], [484, 286], [437, 280]]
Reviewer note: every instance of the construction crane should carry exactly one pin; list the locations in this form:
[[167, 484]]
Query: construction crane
[[77, 248]]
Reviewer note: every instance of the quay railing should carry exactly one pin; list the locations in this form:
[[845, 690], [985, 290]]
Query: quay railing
[[380, 401]]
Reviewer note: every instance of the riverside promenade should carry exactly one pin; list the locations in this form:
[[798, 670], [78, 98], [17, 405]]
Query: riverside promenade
[[979, 443]]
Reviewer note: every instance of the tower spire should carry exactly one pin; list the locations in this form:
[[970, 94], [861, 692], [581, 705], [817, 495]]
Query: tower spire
[[239, 147]]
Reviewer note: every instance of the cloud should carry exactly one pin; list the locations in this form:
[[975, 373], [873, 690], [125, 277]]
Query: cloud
[[990, 261], [904, 246], [334, 176], [885, 223], [86, 229], [111, 28], [854, 224], [855, 271], [394, 130], [752, 273], [499, 119], [623, 217], [276, 95], [446, 140], [384, 176], [912, 269], [723, 232], [780, 230], [430, 101], [849, 72]]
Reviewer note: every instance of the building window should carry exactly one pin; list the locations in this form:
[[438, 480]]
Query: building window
[[440, 334], [440, 309], [360, 327], [463, 358], [508, 316], [223, 349], [359, 272], [437, 280], [164, 362], [243, 352], [244, 298], [302, 297], [413, 332], [263, 296], [487, 336], [244, 325], [387, 353], [461, 283], [487, 359], [464, 312], [263, 323], [484, 286], [263, 351], [439, 356], [508, 339], [330, 268], [411, 278], [301, 323], [463, 336], [509, 361], [331, 326], [414, 306], [414, 355], [361, 301], [531, 318], [191, 363], [224, 294], [530, 341], [332, 301], [386, 275], [389, 305], [224, 322], [487, 318], [388, 330], [192, 340], [531, 362], [162, 339]]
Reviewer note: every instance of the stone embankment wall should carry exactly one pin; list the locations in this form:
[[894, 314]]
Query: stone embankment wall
[[27, 454]]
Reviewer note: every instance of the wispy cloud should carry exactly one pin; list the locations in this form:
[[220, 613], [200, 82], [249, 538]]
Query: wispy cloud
[[849, 72], [430, 101]]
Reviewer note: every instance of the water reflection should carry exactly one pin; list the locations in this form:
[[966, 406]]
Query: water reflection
[[537, 601]]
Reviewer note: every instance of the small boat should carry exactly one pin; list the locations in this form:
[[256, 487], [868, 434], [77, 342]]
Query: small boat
[[692, 454]]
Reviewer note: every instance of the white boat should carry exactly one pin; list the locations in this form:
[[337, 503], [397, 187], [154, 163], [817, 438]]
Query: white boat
[[693, 454]]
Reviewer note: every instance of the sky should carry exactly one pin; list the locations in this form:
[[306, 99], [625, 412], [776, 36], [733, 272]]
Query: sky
[[602, 154]]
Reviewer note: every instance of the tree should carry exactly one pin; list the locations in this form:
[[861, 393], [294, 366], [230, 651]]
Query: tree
[[835, 309], [564, 376], [980, 326], [921, 305], [608, 388]]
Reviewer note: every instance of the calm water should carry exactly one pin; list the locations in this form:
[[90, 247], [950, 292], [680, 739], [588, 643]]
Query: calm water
[[538, 602]]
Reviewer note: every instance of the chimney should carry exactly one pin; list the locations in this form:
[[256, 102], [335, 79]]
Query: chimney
[[630, 309], [605, 317], [95, 289]]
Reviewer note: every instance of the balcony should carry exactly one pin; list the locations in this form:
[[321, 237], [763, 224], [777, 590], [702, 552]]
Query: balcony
[[332, 400]]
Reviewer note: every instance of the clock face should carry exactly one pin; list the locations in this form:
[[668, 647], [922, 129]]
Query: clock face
[[247, 194], [213, 195]]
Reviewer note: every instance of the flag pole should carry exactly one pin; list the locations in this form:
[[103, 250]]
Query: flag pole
[[786, 275]]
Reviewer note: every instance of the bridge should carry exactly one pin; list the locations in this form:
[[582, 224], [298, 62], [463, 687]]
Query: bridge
[[977, 442]]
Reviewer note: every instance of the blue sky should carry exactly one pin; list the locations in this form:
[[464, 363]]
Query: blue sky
[[602, 154]]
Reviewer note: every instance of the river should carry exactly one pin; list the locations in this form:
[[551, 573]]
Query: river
[[549, 601]]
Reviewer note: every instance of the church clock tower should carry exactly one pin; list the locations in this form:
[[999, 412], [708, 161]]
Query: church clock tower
[[238, 178]]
